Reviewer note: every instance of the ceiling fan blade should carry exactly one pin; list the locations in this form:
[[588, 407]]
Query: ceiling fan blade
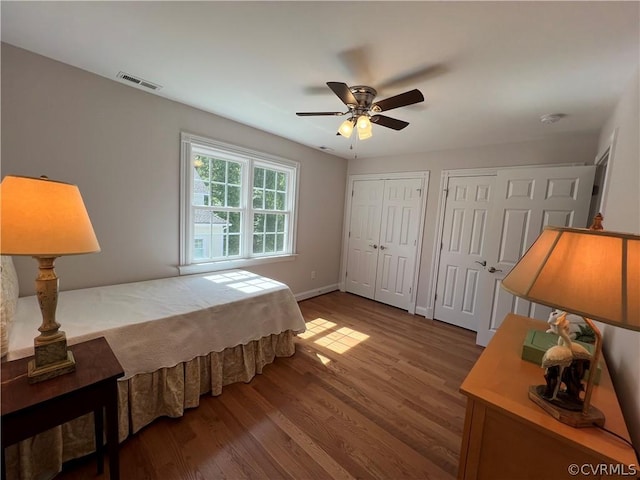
[[415, 76], [389, 122], [402, 100], [356, 61], [317, 114], [343, 93]]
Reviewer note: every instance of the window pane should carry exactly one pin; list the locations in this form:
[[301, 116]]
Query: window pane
[[282, 182], [219, 171], [258, 198], [271, 223], [235, 222], [234, 173], [234, 245], [270, 243], [281, 200], [233, 196], [258, 177], [217, 246], [269, 200], [270, 179], [280, 242], [201, 164], [281, 223], [217, 195], [199, 252], [258, 223], [258, 244]]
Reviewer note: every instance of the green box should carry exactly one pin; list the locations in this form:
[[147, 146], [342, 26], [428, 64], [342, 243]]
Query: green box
[[537, 342]]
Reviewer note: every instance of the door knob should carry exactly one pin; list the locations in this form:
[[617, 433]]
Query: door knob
[[483, 263], [373, 246], [382, 247], [493, 270]]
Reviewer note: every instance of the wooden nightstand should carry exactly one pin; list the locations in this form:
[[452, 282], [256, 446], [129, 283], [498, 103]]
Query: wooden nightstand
[[507, 436], [28, 409]]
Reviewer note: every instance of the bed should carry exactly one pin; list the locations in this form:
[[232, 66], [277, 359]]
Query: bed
[[176, 339]]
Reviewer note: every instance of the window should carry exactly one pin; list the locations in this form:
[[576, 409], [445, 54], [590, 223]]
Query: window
[[238, 206]]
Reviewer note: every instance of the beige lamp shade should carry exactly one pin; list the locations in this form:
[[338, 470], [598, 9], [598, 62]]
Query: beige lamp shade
[[595, 274], [42, 217]]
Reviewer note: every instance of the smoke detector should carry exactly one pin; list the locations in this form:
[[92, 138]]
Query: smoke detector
[[550, 118]]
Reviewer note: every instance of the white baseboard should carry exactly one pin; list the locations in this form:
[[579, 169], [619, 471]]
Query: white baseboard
[[315, 292]]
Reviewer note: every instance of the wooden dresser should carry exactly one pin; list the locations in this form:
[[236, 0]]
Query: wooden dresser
[[507, 436]]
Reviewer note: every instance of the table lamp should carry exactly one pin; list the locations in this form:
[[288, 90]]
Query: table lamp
[[587, 272], [45, 219]]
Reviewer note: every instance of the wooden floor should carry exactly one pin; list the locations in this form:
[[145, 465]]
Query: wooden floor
[[372, 392]]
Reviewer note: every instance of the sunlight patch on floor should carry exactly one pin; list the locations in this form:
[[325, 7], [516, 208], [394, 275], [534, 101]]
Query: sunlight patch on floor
[[323, 359], [316, 327], [338, 341]]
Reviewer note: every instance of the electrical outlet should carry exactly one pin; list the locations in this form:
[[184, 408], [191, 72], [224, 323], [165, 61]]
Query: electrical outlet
[[313, 274]]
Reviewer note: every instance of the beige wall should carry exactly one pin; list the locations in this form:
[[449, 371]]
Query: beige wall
[[121, 146], [567, 148], [622, 213]]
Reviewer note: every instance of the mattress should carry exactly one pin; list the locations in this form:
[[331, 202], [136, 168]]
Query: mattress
[[161, 323]]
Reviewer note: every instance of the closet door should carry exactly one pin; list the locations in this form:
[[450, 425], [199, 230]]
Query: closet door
[[401, 209], [364, 235], [527, 200], [384, 226], [463, 250], [489, 223]]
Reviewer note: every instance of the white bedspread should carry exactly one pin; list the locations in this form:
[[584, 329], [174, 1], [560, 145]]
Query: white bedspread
[[160, 323]]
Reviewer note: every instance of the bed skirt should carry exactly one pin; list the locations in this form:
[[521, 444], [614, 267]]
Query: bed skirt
[[143, 398]]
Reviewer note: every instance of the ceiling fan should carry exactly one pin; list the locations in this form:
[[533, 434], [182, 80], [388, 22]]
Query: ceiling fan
[[363, 111]]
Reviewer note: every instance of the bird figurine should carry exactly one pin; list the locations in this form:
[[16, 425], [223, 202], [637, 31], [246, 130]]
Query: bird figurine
[[561, 356]]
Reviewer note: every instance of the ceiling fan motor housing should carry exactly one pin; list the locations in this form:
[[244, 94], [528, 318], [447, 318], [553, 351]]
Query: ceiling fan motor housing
[[364, 95]]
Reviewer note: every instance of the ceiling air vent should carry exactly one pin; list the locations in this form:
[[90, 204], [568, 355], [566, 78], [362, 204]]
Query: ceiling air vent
[[138, 81]]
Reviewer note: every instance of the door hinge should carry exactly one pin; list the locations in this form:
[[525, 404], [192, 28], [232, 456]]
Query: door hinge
[[349, 234], [346, 274], [446, 192], [419, 191], [409, 290], [352, 192], [441, 245]]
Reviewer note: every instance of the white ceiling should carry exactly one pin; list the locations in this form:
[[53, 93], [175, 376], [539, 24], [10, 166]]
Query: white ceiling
[[488, 70]]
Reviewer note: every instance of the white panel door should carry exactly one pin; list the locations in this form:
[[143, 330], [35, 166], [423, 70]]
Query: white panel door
[[384, 225], [401, 210], [364, 234], [525, 201], [463, 250]]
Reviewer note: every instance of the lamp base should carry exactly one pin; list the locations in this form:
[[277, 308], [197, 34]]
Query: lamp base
[[571, 416], [51, 359]]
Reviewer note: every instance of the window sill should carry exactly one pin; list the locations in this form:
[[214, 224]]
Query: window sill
[[230, 264]]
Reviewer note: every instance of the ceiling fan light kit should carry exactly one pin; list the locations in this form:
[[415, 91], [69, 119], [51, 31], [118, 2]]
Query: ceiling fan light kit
[[359, 102], [364, 127], [346, 129]]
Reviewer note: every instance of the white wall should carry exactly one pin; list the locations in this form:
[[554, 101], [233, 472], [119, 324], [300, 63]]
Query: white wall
[[120, 145], [622, 213], [567, 148]]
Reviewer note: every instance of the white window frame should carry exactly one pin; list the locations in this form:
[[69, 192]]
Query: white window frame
[[249, 159]]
